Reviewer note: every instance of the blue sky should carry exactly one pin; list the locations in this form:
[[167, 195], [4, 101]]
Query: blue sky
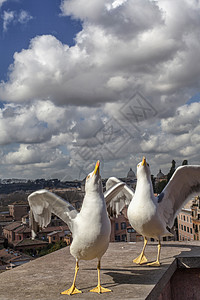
[[44, 17], [104, 79]]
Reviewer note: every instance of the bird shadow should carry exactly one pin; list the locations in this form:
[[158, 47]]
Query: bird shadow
[[131, 275], [144, 274], [192, 248]]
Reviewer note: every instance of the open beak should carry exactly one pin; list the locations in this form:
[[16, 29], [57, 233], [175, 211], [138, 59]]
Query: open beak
[[96, 170], [144, 163]]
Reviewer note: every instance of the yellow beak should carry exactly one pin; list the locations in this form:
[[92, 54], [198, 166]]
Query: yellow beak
[[144, 163], [96, 170]]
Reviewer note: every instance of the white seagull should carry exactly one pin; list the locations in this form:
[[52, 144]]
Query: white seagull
[[149, 215], [90, 228]]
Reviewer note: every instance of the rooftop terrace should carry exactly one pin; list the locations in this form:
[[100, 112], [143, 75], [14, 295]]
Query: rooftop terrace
[[44, 278]]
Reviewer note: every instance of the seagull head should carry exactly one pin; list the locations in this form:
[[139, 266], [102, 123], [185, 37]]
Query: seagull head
[[143, 168], [93, 180]]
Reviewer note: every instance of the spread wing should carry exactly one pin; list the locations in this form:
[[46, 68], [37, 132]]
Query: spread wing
[[183, 185], [43, 203], [113, 191], [122, 196]]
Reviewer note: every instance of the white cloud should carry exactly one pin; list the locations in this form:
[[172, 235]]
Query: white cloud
[[185, 120], [63, 96], [8, 17], [1, 2], [145, 44], [24, 17], [36, 123], [14, 17]]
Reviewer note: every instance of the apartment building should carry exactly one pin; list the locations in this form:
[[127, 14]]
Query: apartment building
[[185, 225], [195, 207]]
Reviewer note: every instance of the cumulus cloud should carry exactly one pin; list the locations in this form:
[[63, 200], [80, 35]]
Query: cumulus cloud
[[35, 123], [185, 119], [74, 101], [123, 45]]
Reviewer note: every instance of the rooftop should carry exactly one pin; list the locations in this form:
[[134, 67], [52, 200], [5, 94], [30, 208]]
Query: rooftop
[[7, 256], [45, 277], [13, 225], [29, 242]]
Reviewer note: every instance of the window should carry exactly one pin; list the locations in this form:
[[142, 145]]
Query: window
[[129, 230], [187, 219], [181, 226], [123, 237], [123, 225], [183, 218], [184, 228], [116, 226], [117, 238], [187, 229]]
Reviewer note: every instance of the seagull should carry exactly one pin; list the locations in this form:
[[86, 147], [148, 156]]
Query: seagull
[[150, 216], [90, 227]]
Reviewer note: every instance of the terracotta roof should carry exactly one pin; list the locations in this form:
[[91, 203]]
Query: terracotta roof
[[7, 256], [13, 225], [30, 242], [54, 228], [23, 228]]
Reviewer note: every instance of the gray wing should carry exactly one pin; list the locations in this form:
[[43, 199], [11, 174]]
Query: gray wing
[[43, 203], [113, 191], [183, 185], [121, 196]]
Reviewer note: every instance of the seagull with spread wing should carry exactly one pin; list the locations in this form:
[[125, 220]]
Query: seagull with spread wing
[[90, 227], [149, 215]]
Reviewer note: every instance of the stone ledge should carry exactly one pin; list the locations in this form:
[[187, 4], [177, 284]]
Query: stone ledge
[[45, 277]]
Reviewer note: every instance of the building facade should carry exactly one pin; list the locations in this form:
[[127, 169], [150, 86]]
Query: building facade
[[195, 207], [185, 225]]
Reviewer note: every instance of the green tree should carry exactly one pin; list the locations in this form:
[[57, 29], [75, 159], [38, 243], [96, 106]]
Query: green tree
[[153, 183], [172, 170], [185, 162], [160, 186]]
